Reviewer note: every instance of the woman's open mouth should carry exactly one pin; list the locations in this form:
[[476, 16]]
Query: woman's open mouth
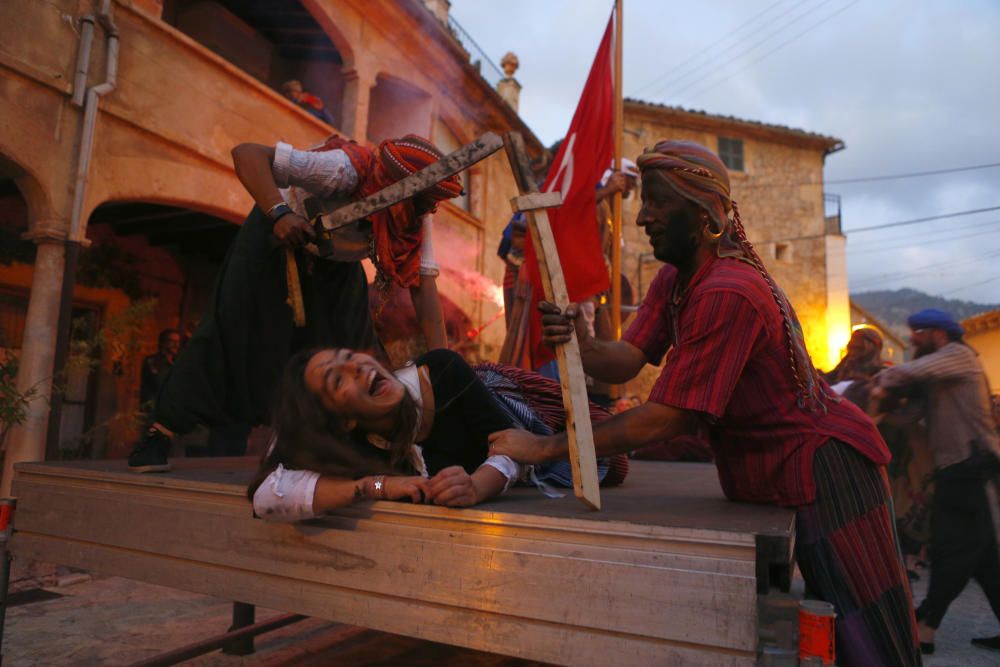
[[377, 384]]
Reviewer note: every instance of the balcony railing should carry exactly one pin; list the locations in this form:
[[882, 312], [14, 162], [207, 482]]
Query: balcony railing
[[487, 68], [831, 212]]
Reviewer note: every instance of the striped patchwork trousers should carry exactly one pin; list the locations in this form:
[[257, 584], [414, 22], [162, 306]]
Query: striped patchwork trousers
[[848, 554]]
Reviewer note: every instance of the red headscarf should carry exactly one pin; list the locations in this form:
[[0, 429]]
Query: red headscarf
[[397, 230]]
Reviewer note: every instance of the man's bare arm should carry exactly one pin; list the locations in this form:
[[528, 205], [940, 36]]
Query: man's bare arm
[[647, 424], [253, 168]]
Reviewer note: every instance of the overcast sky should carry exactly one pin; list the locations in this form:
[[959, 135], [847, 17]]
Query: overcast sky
[[908, 86]]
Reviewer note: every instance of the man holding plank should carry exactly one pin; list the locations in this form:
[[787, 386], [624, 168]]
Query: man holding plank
[[737, 361]]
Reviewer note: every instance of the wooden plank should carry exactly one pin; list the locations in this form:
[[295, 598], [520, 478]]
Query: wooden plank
[[294, 300], [481, 148], [497, 632], [579, 433], [526, 578], [535, 201]]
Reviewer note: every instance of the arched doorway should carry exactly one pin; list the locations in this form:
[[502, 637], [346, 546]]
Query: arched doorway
[[148, 267]]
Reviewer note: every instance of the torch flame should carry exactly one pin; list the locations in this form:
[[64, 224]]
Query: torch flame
[[495, 292]]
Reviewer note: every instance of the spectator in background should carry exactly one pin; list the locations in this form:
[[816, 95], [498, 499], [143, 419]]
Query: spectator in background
[[511, 251], [863, 358], [965, 447], [292, 89], [852, 377], [155, 366], [625, 182]]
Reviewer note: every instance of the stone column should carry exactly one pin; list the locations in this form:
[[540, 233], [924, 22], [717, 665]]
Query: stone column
[[26, 442], [358, 85]]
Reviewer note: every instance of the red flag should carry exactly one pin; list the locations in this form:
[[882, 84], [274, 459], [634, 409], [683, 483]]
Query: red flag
[[582, 158]]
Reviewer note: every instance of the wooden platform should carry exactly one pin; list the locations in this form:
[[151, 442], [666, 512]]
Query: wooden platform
[[667, 573]]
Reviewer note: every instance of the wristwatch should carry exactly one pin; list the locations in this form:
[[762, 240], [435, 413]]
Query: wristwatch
[[278, 210]]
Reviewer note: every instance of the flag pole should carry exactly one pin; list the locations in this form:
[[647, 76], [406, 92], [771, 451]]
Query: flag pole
[[616, 228]]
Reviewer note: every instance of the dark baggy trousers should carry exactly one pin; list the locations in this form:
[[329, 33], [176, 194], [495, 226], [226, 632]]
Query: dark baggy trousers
[[963, 547], [226, 375]]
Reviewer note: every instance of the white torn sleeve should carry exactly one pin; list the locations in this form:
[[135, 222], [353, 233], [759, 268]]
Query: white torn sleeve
[[507, 466], [286, 495], [326, 174], [428, 265]]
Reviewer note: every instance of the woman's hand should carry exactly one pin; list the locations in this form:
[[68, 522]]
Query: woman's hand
[[415, 488], [453, 487], [522, 446]]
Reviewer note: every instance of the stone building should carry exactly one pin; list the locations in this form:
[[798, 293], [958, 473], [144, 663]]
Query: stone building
[[982, 332], [777, 179], [116, 127]]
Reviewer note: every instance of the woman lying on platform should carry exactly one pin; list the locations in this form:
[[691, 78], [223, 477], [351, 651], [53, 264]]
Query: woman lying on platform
[[347, 430]]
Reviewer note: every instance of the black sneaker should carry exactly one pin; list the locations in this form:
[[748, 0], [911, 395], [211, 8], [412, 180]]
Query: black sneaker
[[150, 453], [987, 642]]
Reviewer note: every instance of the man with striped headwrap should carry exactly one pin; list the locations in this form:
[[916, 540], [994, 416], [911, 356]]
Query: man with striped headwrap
[[737, 363], [225, 376]]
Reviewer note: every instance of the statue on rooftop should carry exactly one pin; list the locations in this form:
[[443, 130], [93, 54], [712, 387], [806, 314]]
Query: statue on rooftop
[[508, 87]]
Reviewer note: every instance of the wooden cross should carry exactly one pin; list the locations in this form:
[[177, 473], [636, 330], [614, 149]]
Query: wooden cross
[[579, 432]]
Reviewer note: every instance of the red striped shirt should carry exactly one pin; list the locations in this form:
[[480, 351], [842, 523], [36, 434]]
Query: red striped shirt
[[729, 360]]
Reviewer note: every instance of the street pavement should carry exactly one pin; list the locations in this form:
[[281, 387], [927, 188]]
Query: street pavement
[[969, 616], [115, 621]]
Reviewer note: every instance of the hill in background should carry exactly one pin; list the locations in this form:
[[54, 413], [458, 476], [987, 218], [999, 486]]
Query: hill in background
[[894, 306]]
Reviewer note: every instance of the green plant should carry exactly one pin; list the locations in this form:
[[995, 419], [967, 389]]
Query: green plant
[[121, 335], [121, 338], [13, 403]]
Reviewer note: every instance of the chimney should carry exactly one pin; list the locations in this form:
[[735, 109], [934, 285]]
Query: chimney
[[439, 8], [508, 87]]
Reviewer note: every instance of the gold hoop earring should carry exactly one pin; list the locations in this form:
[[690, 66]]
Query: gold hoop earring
[[711, 236]]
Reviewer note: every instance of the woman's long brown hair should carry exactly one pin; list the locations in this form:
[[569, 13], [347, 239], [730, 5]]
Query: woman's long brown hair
[[309, 437]]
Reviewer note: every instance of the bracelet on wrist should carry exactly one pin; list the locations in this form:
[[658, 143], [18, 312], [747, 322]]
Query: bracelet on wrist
[[278, 210]]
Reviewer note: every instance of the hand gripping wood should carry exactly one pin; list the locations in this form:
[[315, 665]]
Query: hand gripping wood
[[579, 432]]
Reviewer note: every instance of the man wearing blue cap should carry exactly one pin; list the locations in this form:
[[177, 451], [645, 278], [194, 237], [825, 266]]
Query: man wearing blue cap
[[965, 447]]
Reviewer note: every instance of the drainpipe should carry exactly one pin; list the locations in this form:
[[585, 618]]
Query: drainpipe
[[77, 229], [77, 235], [83, 60]]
